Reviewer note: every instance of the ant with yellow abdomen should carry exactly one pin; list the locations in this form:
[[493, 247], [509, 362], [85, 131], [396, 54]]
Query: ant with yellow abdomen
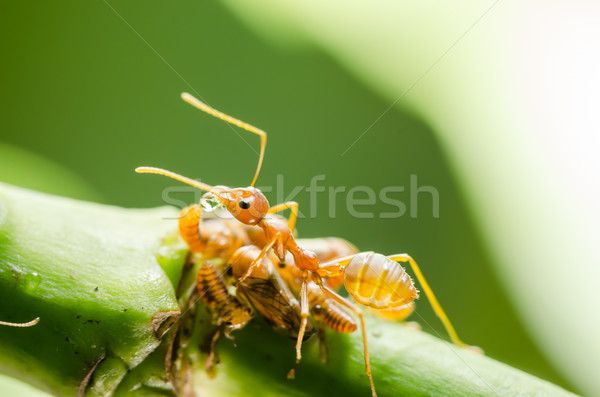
[[372, 279]]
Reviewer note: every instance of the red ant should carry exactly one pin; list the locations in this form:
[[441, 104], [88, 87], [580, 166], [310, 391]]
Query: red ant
[[372, 279]]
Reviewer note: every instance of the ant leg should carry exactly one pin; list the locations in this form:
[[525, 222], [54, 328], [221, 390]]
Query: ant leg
[[189, 227], [342, 301], [433, 300], [304, 320], [258, 259], [21, 325], [335, 267], [284, 206]]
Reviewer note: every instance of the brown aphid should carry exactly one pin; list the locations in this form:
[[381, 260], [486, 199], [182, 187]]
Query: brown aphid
[[325, 310], [322, 308], [226, 309], [267, 292]]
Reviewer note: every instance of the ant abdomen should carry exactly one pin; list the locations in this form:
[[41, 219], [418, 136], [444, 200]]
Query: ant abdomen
[[377, 281]]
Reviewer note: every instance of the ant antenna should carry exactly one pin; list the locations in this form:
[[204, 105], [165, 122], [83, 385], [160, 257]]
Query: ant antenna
[[214, 112], [181, 178]]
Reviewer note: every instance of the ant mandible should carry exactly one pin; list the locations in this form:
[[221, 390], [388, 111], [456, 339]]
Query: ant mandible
[[372, 279]]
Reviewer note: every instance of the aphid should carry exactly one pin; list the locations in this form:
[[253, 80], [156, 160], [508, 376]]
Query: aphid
[[266, 292], [326, 312], [227, 310], [269, 296], [372, 279]]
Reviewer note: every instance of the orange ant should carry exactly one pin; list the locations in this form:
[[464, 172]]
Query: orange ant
[[372, 279], [21, 325], [323, 309], [265, 291]]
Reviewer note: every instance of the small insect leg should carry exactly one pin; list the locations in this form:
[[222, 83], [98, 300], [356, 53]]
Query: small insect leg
[[212, 355], [258, 259], [304, 320], [322, 344], [21, 325], [341, 300]]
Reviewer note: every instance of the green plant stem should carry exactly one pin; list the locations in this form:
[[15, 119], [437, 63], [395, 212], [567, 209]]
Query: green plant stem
[[91, 274]]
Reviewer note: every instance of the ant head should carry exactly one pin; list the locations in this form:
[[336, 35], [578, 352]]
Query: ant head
[[247, 205]]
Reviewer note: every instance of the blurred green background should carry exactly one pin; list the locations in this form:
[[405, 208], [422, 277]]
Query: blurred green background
[[85, 100]]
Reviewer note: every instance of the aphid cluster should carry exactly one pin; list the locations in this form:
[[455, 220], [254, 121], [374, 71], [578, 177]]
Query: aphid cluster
[[285, 279]]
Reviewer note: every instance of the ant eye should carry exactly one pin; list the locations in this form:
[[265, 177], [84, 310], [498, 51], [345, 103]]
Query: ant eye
[[244, 205], [229, 271]]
